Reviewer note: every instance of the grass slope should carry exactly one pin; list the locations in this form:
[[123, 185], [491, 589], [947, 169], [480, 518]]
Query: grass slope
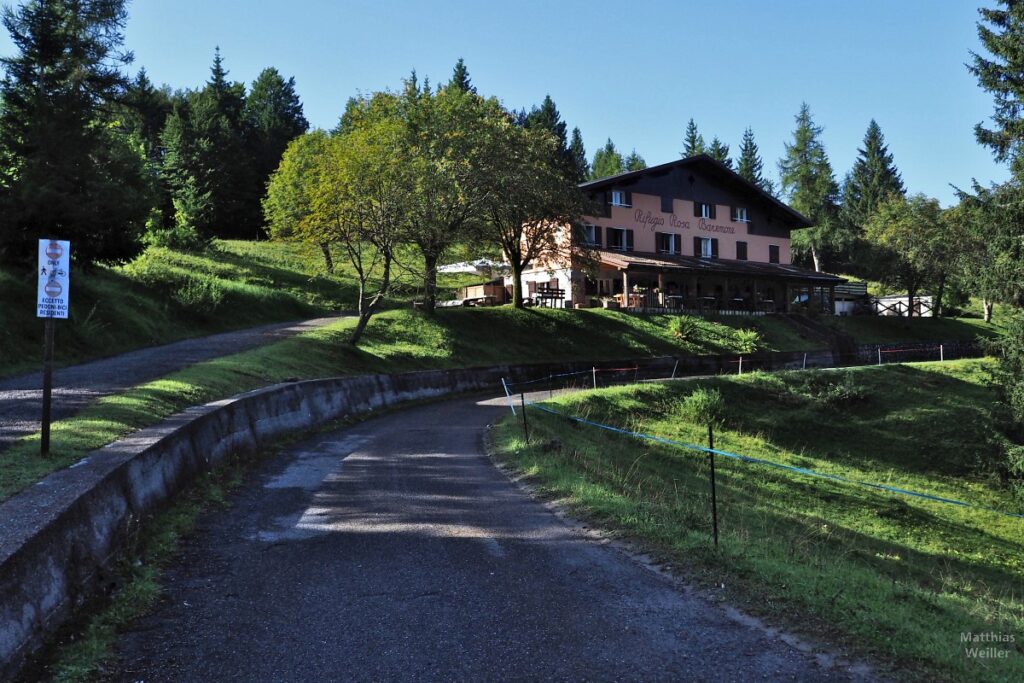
[[167, 295], [395, 341], [897, 576]]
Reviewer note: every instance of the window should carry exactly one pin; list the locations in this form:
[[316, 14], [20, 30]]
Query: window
[[591, 235], [741, 251], [620, 198], [739, 214], [773, 253], [666, 204], [668, 243], [702, 210], [705, 247], [620, 239]]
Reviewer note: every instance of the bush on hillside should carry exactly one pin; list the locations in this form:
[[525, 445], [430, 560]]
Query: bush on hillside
[[747, 341], [685, 327]]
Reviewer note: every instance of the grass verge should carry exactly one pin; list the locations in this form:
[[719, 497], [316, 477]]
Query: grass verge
[[898, 578], [84, 648]]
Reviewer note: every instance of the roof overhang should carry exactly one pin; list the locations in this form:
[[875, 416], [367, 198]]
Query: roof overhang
[[655, 263]]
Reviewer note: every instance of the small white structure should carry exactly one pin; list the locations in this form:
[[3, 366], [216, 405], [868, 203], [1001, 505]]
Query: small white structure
[[483, 267], [897, 304]]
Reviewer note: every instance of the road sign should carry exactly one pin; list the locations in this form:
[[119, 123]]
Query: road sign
[[54, 279]]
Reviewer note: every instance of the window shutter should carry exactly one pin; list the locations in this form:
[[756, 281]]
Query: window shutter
[[629, 198], [696, 209], [741, 251], [607, 204], [666, 204], [629, 240], [597, 235], [714, 247], [732, 213], [696, 246], [712, 212]]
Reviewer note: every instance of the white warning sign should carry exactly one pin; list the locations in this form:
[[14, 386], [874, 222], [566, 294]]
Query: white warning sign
[[54, 279]]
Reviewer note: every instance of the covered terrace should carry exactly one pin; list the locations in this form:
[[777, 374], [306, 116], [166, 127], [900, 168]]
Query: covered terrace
[[666, 282]]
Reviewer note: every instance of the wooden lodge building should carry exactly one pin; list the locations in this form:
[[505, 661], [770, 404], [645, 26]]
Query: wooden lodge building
[[689, 235]]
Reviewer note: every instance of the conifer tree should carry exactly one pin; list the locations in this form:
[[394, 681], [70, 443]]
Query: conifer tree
[[460, 78], [750, 165], [874, 179], [693, 143], [810, 186], [547, 117], [273, 118], [607, 162], [634, 162], [65, 170], [719, 151], [579, 156], [1002, 33]]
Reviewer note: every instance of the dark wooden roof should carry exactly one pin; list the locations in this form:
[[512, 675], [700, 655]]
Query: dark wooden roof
[[639, 261], [713, 167]]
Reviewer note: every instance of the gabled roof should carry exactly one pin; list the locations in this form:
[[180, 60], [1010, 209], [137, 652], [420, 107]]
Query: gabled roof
[[709, 164]]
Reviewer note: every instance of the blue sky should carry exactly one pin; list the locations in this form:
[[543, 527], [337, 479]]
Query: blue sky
[[635, 72]]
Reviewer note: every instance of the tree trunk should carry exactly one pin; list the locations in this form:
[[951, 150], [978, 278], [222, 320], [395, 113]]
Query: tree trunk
[[328, 261], [814, 257], [364, 318], [429, 282], [937, 303], [910, 301], [986, 307], [517, 284]]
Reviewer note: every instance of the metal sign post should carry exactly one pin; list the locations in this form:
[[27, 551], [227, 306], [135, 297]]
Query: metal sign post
[[51, 303]]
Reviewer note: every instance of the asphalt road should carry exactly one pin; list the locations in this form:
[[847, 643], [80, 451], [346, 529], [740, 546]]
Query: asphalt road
[[395, 550], [77, 386]]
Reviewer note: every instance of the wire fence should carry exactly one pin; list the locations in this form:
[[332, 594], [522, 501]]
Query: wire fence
[[570, 380]]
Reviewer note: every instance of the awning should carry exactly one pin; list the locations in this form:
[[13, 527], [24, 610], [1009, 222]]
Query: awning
[[654, 263]]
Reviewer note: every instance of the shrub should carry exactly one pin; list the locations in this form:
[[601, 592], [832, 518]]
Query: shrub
[[704, 406], [685, 327], [833, 390], [201, 295], [747, 341]]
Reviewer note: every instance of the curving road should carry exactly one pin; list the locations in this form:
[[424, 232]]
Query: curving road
[[77, 386], [395, 550]]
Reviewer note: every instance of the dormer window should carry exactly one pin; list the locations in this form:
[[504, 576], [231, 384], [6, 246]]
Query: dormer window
[[620, 198]]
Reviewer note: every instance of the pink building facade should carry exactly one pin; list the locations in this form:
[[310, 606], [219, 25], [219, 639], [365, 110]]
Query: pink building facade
[[690, 235]]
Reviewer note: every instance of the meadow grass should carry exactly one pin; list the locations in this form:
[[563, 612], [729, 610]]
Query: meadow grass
[[395, 341], [895, 577]]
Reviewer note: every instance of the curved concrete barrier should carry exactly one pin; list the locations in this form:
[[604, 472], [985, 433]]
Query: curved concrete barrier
[[59, 537]]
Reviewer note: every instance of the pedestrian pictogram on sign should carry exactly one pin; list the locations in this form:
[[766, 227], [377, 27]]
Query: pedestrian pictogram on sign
[[54, 279]]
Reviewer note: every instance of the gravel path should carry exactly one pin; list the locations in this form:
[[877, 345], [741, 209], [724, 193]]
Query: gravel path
[[395, 550], [79, 385]]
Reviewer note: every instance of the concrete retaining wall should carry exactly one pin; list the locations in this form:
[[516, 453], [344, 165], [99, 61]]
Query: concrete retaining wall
[[59, 537]]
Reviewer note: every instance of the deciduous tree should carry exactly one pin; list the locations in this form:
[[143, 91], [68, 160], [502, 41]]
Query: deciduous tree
[[910, 239]]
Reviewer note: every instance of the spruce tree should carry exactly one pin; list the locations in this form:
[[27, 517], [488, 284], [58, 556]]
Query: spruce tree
[[874, 179], [607, 162], [460, 78], [719, 151], [810, 186], [1002, 33], [693, 143], [65, 170], [579, 155], [750, 165], [273, 118], [634, 162], [547, 117]]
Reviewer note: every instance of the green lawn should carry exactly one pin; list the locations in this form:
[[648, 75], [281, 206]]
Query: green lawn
[[166, 295], [897, 577], [869, 329]]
